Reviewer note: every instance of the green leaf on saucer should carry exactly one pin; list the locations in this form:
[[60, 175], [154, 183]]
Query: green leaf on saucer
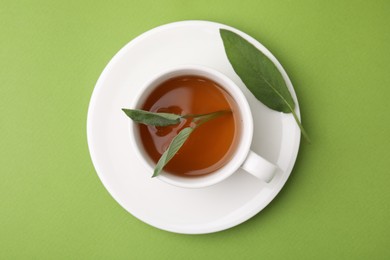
[[259, 74]]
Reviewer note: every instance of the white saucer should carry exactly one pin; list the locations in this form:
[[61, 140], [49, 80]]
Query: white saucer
[[190, 211]]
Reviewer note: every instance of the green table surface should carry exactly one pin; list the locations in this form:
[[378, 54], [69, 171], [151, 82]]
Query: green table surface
[[336, 204]]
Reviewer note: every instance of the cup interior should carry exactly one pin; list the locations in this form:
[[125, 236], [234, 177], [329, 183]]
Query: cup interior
[[245, 127]]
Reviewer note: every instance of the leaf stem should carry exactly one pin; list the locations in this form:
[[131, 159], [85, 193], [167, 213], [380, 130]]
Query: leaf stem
[[203, 118], [305, 135], [196, 116]]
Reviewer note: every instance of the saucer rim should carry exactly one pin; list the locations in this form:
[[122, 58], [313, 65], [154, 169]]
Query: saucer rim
[[196, 229]]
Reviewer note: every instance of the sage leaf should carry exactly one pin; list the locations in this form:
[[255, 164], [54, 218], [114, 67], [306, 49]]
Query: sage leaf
[[176, 143], [150, 118], [165, 119], [259, 74], [203, 118]]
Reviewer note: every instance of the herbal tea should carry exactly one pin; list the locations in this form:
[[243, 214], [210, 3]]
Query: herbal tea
[[210, 146]]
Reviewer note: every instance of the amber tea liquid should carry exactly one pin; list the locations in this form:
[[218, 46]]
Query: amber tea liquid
[[211, 145]]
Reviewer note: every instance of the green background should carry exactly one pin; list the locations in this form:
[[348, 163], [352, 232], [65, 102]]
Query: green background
[[336, 204]]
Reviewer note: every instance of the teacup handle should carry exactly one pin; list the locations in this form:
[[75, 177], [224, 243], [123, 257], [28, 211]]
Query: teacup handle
[[259, 167]]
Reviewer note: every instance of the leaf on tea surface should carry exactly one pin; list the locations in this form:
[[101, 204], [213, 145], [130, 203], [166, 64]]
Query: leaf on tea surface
[[203, 118], [183, 135], [150, 118], [259, 74], [173, 148], [165, 119]]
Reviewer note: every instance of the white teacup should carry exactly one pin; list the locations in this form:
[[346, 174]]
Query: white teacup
[[242, 157]]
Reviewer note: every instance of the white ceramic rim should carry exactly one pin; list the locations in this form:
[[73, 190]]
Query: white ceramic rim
[[246, 131]]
